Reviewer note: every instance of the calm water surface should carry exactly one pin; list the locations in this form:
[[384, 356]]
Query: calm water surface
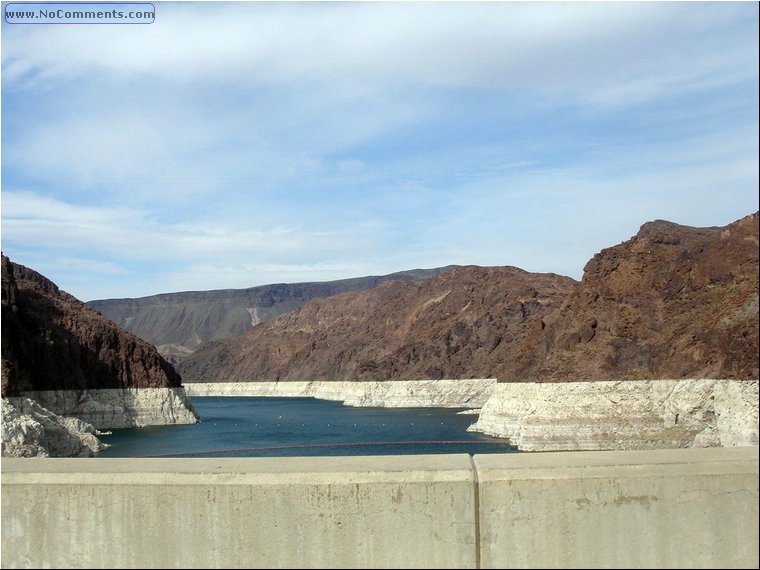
[[275, 427]]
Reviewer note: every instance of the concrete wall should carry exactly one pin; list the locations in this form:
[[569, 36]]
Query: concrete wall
[[683, 508], [387, 512], [665, 508]]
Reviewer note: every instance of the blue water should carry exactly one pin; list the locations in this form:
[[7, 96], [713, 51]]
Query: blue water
[[276, 427]]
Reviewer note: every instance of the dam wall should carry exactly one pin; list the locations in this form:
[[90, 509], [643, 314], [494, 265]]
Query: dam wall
[[681, 508]]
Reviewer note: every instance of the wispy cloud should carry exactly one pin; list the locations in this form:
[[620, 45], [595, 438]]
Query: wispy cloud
[[234, 144], [562, 46]]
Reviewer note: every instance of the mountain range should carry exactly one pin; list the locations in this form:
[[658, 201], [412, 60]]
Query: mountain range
[[178, 323], [673, 301]]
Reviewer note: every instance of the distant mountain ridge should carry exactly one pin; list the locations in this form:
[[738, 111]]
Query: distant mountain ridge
[[461, 324], [672, 302], [178, 323]]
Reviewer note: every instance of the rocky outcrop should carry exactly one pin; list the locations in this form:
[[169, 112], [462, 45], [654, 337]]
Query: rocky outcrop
[[125, 408], [466, 323], [52, 341], [471, 393], [72, 362], [178, 323], [622, 415], [672, 302], [29, 430]]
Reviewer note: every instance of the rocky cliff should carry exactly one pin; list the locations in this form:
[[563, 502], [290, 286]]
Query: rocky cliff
[[123, 408], [29, 430], [672, 302], [67, 360], [178, 323], [52, 341], [466, 323]]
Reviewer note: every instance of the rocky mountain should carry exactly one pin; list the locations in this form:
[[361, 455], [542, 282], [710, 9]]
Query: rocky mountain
[[672, 302], [178, 323], [52, 341], [466, 323]]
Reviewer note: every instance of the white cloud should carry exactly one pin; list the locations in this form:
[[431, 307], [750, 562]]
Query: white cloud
[[573, 48], [233, 144], [123, 233]]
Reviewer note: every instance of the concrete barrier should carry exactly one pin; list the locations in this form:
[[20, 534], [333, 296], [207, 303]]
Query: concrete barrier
[[681, 508], [685, 508], [331, 512]]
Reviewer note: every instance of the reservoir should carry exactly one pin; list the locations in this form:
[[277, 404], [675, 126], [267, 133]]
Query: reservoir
[[278, 427]]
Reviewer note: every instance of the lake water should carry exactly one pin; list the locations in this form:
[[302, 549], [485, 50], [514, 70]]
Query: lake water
[[276, 427]]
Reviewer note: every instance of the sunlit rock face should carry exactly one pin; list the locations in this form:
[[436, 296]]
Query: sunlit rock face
[[672, 302], [466, 323], [179, 323], [633, 414], [467, 393], [29, 430]]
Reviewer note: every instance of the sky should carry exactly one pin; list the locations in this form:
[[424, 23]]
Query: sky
[[235, 144]]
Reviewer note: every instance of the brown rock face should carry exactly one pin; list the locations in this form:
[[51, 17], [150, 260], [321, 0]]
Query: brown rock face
[[672, 302], [52, 341], [467, 323], [178, 323]]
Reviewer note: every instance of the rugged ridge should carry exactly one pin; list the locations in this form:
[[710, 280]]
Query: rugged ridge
[[674, 301], [465, 323], [53, 341], [178, 323]]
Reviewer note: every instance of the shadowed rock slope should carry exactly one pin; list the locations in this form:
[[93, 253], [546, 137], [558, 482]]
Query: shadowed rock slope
[[178, 323], [672, 302], [52, 341], [466, 323]]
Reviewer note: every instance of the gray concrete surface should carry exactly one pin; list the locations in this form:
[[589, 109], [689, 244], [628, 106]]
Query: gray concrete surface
[[677, 508], [384, 512], [680, 508]]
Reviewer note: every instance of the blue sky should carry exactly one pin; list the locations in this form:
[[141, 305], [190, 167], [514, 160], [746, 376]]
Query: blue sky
[[236, 144]]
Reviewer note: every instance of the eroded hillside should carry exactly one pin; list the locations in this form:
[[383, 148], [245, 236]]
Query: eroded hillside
[[672, 302]]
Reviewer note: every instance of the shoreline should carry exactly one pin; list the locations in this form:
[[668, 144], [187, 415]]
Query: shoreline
[[634, 414], [467, 393], [66, 423], [599, 415], [118, 407]]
